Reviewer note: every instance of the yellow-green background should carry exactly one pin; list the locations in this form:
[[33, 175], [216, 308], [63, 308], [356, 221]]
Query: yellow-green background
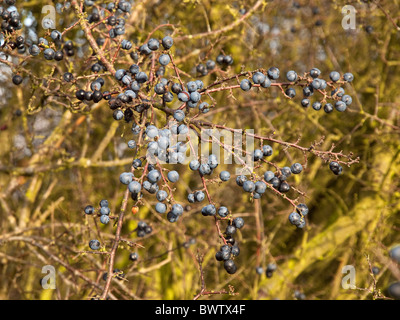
[[352, 217]]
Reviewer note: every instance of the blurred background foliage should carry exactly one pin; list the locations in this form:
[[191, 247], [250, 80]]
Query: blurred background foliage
[[55, 160]]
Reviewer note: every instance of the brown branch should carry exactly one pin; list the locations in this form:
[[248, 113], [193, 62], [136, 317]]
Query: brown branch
[[226, 28], [387, 15], [74, 271], [88, 33], [115, 245], [203, 291]]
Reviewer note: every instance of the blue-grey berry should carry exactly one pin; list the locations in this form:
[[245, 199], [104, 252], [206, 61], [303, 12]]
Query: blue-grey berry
[[144, 49], [235, 251], [258, 77], [335, 167], [49, 54], [275, 182], [315, 72], [238, 222], [230, 230], [334, 76], [126, 178], [257, 155], [163, 143], [159, 88], [164, 59], [240, 180], [126, 45], [105, 210], [55, 35], [273, 73], [267, 151], [141, 77], [89, 209], [296, 168], [290, 92], [184, 96], [177, 209], [328, 108], [348, 77], [131, 144], [205, 169], [394, 253], [133, 256], [316, 84], [210, 64], [301, 224], [199, 196], [173, 176], [153, 44], [179, 115], [168, 97], [154, 176], [34, 50], [305, 103], [94, 244], [291, 76], [183, 129], [268, 176], [119, 74], [212, 161], [271, 267], [340, 106], [134, 187], [151, 131], [245, 85], [224, 175], [161, 195], [260, 187], [266, 83], [104, 219], [347, 99], [118, 115], [223, 212], [308, 91], [317, 105], [195, 96], [172, 217], [194, 165], [208, 210], [204, 107], [199, 84], [302, 208], [249, 186], [161, 207], [104, 203], [167, 42], [191, 198], [294, 218], [192, 86], [256, 195], [338, 92]]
